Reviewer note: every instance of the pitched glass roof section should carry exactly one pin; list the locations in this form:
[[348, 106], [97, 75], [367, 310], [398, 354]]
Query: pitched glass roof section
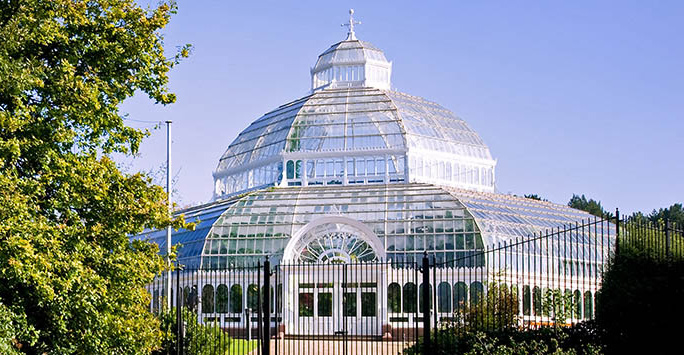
[[507, 219], [192, 241]]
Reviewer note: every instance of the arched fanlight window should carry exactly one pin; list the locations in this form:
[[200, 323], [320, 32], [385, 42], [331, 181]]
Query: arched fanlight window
[[337, 247], [394, 297]]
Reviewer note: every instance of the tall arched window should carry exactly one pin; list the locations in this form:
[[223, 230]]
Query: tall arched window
[[222, 299], [588, 306], [421, 300], [410, 297], [578, 304], [298, 169], [460, 295], [537, 300], [236, 299], [208, 299], [546, 296], [253, 297], [444, 294], [567, 299], [394, 297], [476, 292], [290, 169]]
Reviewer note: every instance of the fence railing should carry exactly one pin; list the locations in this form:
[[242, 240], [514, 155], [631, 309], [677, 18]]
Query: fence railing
[[546, 279]]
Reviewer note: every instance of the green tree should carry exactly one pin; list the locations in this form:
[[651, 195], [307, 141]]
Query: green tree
[[589, 205], [535, 197], [674, 214], [72, 282]]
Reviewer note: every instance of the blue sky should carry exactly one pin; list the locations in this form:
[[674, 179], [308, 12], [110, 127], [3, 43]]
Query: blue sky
[[572, 97]]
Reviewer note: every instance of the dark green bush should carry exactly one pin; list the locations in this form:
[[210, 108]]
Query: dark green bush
[[198, 338], [641, 303], [580, 339]]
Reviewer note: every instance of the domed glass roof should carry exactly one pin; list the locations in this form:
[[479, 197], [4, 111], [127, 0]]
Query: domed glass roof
[[347, 123], [353, 129]]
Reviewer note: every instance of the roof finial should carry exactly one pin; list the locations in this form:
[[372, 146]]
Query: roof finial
[[351, 36]]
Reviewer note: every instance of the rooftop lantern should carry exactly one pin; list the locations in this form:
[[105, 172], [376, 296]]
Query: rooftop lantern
[[351, 63]]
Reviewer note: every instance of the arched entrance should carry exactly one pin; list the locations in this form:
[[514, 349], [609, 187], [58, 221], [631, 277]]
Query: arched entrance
[[335, 279]]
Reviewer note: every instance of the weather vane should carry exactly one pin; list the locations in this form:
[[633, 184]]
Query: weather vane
[[350, 34]]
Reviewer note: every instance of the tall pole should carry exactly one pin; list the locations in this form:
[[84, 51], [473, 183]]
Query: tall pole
[[168, 229]]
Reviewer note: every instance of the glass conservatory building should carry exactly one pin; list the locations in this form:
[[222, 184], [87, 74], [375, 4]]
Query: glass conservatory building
[[355, 172]]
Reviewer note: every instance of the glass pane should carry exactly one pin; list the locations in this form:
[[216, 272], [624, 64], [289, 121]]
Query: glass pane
[[410, 297], [368, 304], [253, 297], [208, 299], [394, 297], [236, 299], [306, 307], [222, 299], [290, 169], [325, 304], [349, 304]]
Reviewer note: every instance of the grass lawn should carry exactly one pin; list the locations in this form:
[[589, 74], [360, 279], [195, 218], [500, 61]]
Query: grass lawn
[[241, 346]]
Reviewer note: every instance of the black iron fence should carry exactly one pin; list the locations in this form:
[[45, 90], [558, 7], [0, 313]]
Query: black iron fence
[[546, 279], [659, 240]]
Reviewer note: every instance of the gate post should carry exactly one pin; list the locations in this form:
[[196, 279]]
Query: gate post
[[427, 344], [265, 349]]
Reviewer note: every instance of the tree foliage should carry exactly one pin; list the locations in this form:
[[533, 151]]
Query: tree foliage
[[640, 303], [674, 214], [535, 197], [589, 205], [580, 339], [71, 280], [198, 338]]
